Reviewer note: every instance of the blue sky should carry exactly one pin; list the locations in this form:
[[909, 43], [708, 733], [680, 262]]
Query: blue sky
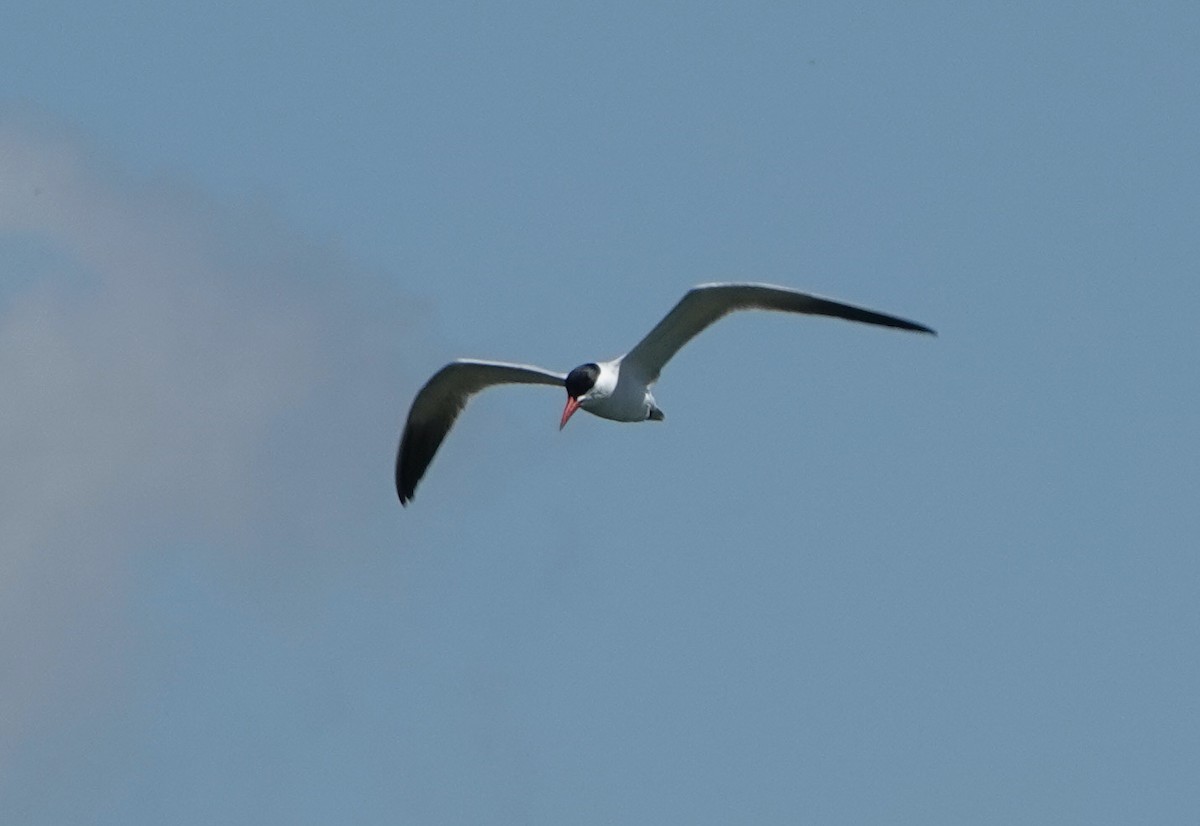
[[857, 576]]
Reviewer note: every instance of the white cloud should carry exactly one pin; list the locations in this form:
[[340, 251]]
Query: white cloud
[[172, 371]]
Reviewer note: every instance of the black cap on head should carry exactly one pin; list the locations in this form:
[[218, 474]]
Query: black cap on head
[[582, 379]]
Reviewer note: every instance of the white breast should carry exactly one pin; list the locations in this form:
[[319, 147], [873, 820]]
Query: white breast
[[622, 397]]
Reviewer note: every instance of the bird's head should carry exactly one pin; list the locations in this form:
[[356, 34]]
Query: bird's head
[[579, 383]]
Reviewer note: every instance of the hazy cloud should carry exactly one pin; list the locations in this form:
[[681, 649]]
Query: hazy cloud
[[173, 371]]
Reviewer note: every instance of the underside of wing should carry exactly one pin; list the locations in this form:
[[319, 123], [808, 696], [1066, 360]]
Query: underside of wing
[[707, 303], [438, 404]]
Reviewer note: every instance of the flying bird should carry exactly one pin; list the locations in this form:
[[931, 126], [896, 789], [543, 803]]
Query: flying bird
[[618, 389]]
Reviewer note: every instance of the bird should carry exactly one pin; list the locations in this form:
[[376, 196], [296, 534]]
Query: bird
[[617, 389]]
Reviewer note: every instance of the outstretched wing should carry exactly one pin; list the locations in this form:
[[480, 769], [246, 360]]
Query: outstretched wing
[[703, 305], [438, 404]]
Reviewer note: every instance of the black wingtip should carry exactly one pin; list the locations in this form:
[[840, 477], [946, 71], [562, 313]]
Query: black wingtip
[[911, 326], [905, 324], [404, 489]]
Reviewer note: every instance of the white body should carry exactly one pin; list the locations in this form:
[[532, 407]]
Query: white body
[[621, 396]]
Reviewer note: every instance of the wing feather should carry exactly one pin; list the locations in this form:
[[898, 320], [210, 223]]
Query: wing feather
[[438, 404], [707, 303]]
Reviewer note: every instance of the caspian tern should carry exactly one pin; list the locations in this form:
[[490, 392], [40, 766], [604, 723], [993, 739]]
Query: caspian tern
[[618, 389]]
